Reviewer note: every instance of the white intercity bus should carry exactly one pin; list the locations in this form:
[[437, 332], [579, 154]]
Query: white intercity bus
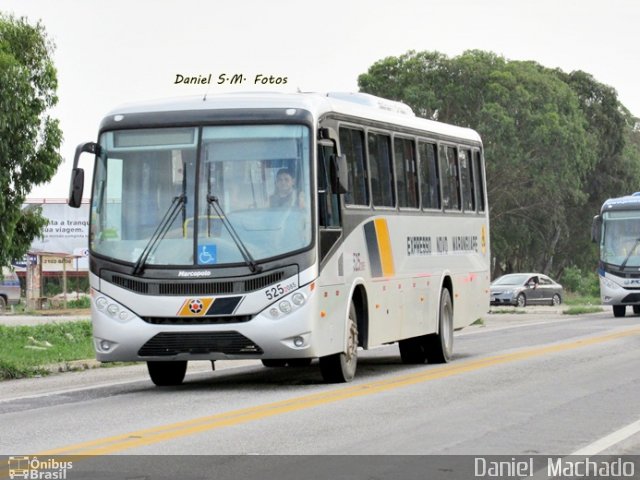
[[616, 230], [284, 228]]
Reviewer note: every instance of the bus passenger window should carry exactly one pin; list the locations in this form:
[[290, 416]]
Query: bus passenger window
[[381, 170], [466, 177], [478, 179], [352, 145], [406, 173], [450, 178], [429, 178]]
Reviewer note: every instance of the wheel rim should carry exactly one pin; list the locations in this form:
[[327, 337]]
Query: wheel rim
[[447, 325], [521, 301], [352, 341]]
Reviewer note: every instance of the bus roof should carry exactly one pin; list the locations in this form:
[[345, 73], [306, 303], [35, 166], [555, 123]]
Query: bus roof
[[628, 202], [359, 105]]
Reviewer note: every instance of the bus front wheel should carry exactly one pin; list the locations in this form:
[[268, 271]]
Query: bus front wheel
[[167, 374], [439, 346], [341, 367], [619, 310]]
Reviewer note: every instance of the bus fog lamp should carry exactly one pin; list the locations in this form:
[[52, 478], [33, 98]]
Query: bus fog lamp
[[274, 312], [284, 306], [298, 341], [298, 299], [105, 345]]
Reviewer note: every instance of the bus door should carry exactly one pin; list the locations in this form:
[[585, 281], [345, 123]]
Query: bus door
[[329, 219]]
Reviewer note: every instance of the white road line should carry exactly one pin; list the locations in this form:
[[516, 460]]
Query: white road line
[[608, 441]]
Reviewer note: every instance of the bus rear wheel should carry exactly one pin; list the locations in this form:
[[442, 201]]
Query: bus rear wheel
[[439, 346], [341, 367], [167, 374]]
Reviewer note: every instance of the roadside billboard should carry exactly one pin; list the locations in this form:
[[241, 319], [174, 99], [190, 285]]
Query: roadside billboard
[[67, 233]]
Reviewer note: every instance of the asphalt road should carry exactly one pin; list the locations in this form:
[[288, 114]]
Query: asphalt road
[[522, 384]]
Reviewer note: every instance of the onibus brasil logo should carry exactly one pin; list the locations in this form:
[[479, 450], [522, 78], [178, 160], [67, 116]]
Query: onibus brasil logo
[[34, 468]]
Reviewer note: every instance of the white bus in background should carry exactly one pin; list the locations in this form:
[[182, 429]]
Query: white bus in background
[[617, 231], [385, 239]]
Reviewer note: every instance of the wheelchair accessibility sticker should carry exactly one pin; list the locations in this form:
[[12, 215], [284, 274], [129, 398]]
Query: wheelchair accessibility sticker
[[207, 254]]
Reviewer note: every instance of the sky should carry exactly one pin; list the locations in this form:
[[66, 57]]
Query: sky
[[118, 51]]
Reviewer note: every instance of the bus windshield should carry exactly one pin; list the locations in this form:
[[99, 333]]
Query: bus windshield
[[621, 238], [251, 182]]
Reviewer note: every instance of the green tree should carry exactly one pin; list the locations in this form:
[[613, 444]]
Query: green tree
[[540, 153], [29, 138]]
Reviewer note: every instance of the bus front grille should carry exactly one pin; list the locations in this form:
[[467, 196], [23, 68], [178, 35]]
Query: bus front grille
[[167, 344], [184, 287]]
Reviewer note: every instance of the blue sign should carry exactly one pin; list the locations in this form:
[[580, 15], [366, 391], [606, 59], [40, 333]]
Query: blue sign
[[207, 254]]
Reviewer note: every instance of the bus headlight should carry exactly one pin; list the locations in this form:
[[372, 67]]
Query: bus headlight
[[113, 309], [284, 306], [290, 303], [298, 299], [609, 284]]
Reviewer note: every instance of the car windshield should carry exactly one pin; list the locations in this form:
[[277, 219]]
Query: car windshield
[[511, 280], [198, 185]]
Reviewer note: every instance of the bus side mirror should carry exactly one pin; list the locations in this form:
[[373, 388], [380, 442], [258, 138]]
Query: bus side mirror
[[596, 229], [76, 186], [338, 173]]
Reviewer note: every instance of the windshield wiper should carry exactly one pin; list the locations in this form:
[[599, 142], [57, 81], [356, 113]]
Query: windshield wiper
[[244, 251], [633, 249], [177, 204]]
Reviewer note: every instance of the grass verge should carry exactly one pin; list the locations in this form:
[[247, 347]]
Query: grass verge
[[580, 309], [26, 350]]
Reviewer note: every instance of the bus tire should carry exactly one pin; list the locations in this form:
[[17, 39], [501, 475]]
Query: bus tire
[[619, 310], [412, 350], [341, 367], [167, 374], [439, 346]]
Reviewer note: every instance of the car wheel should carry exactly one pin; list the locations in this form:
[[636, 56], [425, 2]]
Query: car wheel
[[521, 300], [556, 300]]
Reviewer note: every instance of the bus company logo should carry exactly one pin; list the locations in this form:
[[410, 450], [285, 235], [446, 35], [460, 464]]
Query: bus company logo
[[195, 307], [37, 469]]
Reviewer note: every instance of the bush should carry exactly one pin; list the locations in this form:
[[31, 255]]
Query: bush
[[576, 281]]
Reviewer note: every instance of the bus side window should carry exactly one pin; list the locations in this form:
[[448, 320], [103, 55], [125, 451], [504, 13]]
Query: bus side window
[[381, 170], [429, 178], [352, 145], [406, 173], [450, 178], [467, 178], [328, 205], [478, 179]]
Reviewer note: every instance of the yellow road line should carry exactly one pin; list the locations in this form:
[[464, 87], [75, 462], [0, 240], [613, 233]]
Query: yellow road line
[[163, 433]]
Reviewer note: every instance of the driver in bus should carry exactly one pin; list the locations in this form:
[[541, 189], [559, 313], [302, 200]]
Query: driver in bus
[[285, 192]]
